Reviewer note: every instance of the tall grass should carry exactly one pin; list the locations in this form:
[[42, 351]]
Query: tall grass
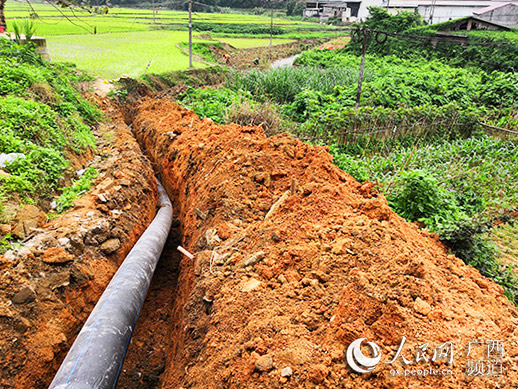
[[283, 84]]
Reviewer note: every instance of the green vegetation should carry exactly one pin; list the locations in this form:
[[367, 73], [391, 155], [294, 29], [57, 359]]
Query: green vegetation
[[212, 103], [487, 50], [380, 19], [241, 43], [78, 188], [133, 42], [43, 118]]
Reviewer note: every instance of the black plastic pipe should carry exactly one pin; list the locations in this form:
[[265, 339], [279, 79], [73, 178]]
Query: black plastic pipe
[[95, 359]]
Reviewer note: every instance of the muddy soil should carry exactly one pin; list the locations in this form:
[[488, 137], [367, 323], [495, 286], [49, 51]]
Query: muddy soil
[[294, 260], [52, 282]]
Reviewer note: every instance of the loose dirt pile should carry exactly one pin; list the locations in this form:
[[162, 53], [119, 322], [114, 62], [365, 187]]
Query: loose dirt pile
[[52, 282], [295, 260]]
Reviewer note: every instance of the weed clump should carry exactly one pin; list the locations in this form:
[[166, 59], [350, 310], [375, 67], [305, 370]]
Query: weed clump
[[43, 119]]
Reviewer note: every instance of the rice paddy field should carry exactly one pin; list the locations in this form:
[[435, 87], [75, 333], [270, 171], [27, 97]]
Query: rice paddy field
[[134, 41]]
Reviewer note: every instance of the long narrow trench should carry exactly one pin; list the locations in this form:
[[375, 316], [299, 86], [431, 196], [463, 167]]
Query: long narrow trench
[[146, 357]]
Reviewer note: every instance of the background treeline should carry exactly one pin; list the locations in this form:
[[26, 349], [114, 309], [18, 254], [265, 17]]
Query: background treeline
[[292, 7]]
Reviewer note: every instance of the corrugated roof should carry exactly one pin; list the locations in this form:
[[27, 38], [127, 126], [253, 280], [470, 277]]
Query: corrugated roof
[[494, 6], [439, 3]]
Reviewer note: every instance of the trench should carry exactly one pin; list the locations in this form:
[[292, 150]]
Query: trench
[[147, 353]]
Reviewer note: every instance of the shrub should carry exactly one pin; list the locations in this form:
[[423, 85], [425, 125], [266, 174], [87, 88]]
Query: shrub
[[418, 196], [380, 19], [249, 114], [212, 103]]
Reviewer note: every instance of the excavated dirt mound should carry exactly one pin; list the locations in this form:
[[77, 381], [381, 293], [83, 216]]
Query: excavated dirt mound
[[294, 260], [51, 283]]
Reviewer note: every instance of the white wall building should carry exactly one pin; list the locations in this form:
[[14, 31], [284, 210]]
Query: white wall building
[[437, 11], [433, 11]]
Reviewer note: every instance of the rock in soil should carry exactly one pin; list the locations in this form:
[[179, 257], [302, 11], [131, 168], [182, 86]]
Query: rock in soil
[[26, 219], [264, 363], [111, 245]]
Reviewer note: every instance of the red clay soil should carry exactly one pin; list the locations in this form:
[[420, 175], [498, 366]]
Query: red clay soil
[[51, 284], [330, 264]]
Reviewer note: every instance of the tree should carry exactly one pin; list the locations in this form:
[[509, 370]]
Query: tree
[[380, 19], [2, 16]]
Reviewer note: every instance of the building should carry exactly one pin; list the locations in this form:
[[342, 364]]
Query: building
[[348, 11], [437, 11], [432, 11], [501, 13], [470, 23]]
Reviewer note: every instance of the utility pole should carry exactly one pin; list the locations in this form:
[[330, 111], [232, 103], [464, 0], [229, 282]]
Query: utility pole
[[190, 33], [271, 27], [366, 31], [154, 18]]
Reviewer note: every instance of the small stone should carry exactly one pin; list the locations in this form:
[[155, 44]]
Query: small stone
[[10, 255], [5, 229], [422, 307], [253, 259], [250, 285], [63, 241], [341, 245], [10, 157], [212, 238], [318, 373], [264, 363], [24, 251], [25, 295], [102, 198], [4, 174], [118, 232], [320, 275], [98, 234], [111, 245], [56, 255], [57, 280], [27, 218], [282, 279], [286, 372], [125, 182], [22, 325]]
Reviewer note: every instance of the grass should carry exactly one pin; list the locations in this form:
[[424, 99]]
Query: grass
[[50, 20], [128, 41], [242, 43], [130, 53], [505, 239]]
